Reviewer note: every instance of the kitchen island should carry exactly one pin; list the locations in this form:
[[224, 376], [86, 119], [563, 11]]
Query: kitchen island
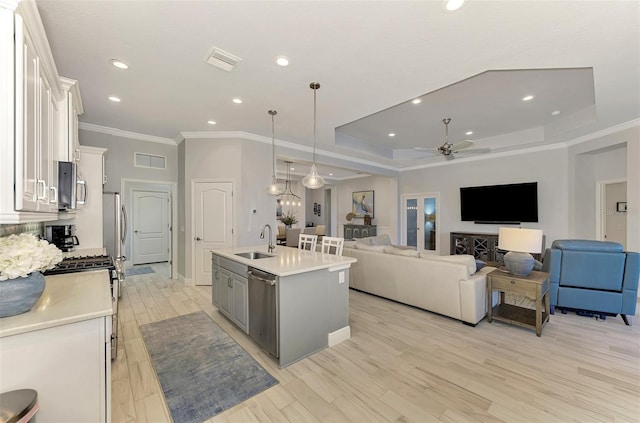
[[292, 302], [62, 349]]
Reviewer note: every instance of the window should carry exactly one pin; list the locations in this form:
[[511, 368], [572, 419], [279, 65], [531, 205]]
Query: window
[[150, 161]]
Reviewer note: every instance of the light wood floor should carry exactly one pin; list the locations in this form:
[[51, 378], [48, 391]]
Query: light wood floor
[[403, 364]]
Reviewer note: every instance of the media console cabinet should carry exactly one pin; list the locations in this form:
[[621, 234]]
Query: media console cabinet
[[483, 246]]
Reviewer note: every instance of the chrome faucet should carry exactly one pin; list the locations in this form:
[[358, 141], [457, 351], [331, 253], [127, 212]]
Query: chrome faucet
[[271, 246]]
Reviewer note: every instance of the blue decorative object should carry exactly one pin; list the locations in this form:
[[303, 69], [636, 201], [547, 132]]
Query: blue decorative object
[[519, 264], [202, 370], [19, 295]]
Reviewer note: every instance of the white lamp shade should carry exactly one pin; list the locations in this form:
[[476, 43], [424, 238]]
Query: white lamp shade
[[520, 240]]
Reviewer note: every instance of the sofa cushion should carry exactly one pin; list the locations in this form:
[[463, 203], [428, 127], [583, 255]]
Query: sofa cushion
[[379, 248], [401, 251], [375, 240], [349, 244], [466, 259]]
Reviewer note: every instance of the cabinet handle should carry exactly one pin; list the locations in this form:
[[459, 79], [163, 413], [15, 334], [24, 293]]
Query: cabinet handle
[[83, 184], [215, 274], [77, 155], [41, 183], [229, 283], [55, 195]]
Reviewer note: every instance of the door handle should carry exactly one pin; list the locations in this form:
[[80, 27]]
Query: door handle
[[198, 238], [135, 231]]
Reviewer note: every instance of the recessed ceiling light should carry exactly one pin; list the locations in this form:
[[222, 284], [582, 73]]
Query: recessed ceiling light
[[211, 122], [469, 133], [292, 168], [114, 99], [392, 134], [118, 64], [416, 101], [528, 97], [282, 61], [555, 113], [237, 100], [452, 5], [331, 174]]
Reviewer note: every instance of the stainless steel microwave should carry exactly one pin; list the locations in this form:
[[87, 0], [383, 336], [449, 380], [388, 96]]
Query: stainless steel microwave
[[67, 185]]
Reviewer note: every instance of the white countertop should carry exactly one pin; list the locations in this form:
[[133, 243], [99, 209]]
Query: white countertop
[[287, 261], [67, 298]]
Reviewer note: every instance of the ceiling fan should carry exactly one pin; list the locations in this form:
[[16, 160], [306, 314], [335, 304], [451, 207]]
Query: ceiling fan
[[448, 149]]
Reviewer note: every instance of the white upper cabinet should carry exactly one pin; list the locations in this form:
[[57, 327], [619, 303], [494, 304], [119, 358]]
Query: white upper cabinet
[[71, 107], [38, 112]]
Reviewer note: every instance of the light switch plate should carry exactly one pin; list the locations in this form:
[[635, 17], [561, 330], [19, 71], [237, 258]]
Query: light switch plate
[[341, 277]]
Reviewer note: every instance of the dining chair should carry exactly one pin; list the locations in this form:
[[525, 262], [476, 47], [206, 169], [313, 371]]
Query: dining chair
[[306, 240], [320, 229], [334, 244]]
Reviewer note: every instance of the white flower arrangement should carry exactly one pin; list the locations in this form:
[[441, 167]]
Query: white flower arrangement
[[25, 253]]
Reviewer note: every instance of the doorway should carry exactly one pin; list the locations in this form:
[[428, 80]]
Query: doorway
[[212, 217], [420, 221], [127, 189], [151, 228], [612, 211]]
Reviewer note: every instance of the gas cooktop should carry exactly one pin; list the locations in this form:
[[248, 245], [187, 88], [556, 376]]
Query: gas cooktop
[[81, 264]]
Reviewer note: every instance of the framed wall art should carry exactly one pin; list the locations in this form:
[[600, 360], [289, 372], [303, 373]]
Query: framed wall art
[[621, 206], [362, 203]]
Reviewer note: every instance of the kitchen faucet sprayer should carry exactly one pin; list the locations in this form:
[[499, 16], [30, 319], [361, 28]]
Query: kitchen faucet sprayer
[[271, 247]]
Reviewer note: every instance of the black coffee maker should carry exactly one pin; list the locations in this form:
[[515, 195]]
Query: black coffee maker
[[62, 236]]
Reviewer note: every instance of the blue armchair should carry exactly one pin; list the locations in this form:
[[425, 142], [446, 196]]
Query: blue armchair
[[593, 276]]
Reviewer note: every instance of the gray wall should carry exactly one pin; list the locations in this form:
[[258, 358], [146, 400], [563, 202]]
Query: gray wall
[[119, 159], [547, 168], [238, 161], [385, 204]]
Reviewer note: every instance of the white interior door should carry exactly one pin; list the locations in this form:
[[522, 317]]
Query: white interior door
[[213, 225], [420, 221], [150, 227]]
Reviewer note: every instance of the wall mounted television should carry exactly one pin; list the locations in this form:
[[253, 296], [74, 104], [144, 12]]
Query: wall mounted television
[[512, 203]]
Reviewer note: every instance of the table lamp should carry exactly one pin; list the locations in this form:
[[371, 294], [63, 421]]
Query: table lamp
[[520, 243]]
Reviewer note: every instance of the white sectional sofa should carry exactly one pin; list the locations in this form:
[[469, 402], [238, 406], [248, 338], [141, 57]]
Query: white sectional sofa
[[448, 285]]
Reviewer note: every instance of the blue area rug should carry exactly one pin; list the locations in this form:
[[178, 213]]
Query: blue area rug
[[201, 369], [133, 271]]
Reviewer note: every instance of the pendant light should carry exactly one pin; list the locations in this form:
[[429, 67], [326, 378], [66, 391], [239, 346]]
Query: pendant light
[[273, 189], [313, 180], [287, 197]]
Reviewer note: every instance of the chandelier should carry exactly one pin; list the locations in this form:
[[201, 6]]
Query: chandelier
[[274, 188], [287, 197], [313, 180]]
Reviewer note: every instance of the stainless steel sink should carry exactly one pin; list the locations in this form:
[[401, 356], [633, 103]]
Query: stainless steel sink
[[253, 255]]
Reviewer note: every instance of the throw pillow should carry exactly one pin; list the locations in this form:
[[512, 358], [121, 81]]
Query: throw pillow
[[465, 259], [479, 264], [349, 244], [365, 247], [401, 251]]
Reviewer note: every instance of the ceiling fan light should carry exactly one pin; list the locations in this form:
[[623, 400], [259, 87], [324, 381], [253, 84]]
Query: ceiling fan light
[[313, 180]]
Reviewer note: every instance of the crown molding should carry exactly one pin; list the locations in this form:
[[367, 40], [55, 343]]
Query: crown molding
[[604, 132], [71, 85], [285, 144], [9, 4], [124, 134]]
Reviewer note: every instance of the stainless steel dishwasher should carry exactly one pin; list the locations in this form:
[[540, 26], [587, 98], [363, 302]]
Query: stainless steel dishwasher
[[263, 323]]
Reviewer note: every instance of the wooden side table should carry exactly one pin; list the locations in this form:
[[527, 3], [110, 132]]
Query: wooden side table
[[534, 286]]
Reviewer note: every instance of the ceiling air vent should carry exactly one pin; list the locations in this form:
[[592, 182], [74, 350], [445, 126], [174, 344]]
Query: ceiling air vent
[[221, 59]]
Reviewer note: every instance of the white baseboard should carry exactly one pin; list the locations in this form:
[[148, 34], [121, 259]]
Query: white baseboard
[[340, 335]]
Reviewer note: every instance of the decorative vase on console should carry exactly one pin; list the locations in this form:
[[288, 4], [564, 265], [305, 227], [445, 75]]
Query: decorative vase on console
[[288, 219], [22, 258]]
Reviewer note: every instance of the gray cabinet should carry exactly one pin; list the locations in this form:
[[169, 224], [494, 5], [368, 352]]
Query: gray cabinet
[[230, 291], [359, 231], [483, 246]]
